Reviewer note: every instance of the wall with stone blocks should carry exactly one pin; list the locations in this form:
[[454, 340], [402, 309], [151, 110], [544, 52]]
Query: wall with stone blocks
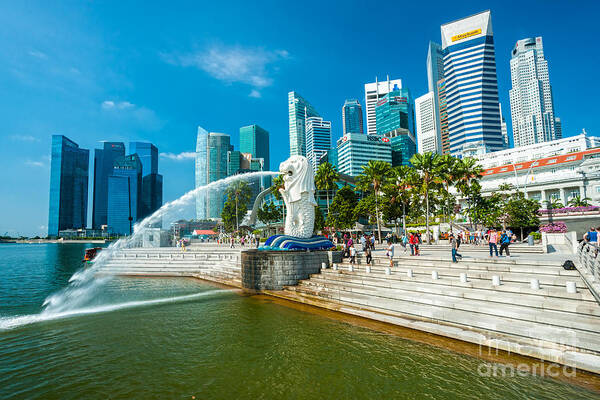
[[272, 270]]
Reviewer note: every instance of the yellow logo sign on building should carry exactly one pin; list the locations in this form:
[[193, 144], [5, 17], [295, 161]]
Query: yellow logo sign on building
[[466, 35]]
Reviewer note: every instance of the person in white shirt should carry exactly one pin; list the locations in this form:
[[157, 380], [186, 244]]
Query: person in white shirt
[[352, 254], [390, 253]]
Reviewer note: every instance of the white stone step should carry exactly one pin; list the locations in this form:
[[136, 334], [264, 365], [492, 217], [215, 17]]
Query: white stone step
[[506, 295], [568, 336]]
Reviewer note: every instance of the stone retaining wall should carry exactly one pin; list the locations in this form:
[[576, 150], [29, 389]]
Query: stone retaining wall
[[272, 270]]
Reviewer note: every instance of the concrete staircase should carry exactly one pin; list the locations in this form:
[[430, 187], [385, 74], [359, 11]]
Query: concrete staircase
[[548, 322], [516, 248], [219, 265]]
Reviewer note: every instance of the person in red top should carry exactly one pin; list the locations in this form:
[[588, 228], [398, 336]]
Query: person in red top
[[414, 244], [493, 241]]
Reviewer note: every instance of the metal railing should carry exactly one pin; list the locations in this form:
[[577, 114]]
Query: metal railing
[[588, 256]]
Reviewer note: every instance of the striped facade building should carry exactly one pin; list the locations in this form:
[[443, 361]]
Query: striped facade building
[[471, 86]]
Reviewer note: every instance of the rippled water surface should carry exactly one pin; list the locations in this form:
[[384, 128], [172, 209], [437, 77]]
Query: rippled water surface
[[178, 338]]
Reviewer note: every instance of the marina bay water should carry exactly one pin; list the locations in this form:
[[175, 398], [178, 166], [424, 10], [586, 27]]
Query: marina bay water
[[178, 338]]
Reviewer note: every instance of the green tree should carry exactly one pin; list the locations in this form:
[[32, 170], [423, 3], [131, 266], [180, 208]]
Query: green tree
[[553, 203], [366, 207], [428, 167], [341, 211], [577, 201], [468, 175], [238, 196], [403, 180], [269, 213], [319, 220], [374, 175], [326, 179], [522, 212]]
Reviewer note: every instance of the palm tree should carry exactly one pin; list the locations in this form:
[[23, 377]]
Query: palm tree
[[450, 173], [428, 168], [375, 174], [403, 179], [326, 178], [467, 171], [553, 204], [577, 201]]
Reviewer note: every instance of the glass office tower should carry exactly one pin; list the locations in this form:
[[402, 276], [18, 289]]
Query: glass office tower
[[152, 181], [255, 140], [124, 193], [471, 86], [69, 172], [201, 172], [352, 117], [318, 140], [219, 145], [104, 160], [299, 110]]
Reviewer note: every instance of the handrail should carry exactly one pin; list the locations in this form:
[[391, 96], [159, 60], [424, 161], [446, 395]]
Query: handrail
[[588, 255]]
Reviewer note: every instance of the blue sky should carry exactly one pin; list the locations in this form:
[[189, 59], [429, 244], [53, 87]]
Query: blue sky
[[154, 71]]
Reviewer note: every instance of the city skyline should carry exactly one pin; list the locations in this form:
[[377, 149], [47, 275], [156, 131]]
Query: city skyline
[[66, 99]]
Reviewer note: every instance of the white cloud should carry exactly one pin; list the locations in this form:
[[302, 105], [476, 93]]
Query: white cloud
[[126, 110], [116, 105], [32, 163], [186, 155], [255, 93], [234, 64], [24, 138], [37, 54]]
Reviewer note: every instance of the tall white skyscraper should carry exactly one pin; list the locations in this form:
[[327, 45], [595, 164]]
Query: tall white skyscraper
[[435, 72], [201, 171], [531, 104], [471, 86], [428, 136], [373, 92], [504, 129], [299, 111], [318, 139]]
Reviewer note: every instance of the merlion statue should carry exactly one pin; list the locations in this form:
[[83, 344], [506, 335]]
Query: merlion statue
[[299, 196]]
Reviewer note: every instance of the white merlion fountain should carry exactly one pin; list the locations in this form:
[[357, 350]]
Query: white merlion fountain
[[286, 259], [298, 195]]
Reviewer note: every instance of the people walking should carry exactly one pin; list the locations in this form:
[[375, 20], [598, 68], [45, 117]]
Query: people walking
[[454, 246], [352, 254], [390, 253], [369, 255], [504, 243], [591, 236], [493, 241], [363, 242]]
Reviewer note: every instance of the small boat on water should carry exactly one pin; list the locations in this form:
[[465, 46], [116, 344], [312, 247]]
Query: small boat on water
[[90, 254]]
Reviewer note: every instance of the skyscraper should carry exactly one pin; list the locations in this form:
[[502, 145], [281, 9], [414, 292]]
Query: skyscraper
[[255, 140], [201, 172], [104, 160], [435, 73], [318, 139], [299, 110], [152, 181], [428, 136], [373, 92], [396, 120], [394, 111], [218, 146], [355, 150], [148, 155], [531, 103], [69, 172], [558, 128], [504, 129], [471, 86], [124, 194], [352, 117], [443, 116]]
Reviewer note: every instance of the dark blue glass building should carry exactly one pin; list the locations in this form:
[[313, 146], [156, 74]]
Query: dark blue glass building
[[152, 181], [352, 117], [104, 160], [124, 193], [69, 172]]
